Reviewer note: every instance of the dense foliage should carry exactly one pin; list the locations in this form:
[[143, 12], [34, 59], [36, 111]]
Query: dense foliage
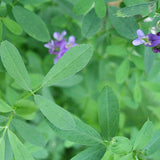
[[76, 82]]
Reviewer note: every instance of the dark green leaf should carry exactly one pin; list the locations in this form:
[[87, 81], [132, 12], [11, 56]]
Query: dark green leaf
[[72, 62], [108, 113], [92, 153], [20, 152], [91, 24], [14, 65], [126, 27], [58, 116], [31, 23], [29, 133]]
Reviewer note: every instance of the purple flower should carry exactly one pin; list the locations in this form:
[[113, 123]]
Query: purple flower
[[140, 39], [150, 40], [154, 40], [60, 46], [59, 36], [71, 42], [51, 46]]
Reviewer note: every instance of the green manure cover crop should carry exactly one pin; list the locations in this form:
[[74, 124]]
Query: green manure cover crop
[[79, 80]]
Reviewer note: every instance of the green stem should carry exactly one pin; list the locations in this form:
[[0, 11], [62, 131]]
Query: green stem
[[8, 123], [9, 10]]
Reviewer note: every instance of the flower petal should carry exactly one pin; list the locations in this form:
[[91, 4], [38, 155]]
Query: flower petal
[[140, 33], [72, 40], [137, 42], [56, 35], [154, 40]]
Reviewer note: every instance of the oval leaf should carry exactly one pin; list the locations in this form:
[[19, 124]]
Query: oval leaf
[[4, 107], [29, 133], [31, 23], [122, 72], [55, 114], [108, 113], [144, 136], [14, 65], [82, 6], [92, 153], [100, 8], [12, 26], [72, 62], [19, 150], [91, 24]]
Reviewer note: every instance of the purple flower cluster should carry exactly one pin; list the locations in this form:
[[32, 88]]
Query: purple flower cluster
[[60, 45], [149, 40]]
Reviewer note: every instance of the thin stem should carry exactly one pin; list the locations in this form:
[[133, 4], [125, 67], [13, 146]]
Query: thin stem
[[12, 5], [7, 125]]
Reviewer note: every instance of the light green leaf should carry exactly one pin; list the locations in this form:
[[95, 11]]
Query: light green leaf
[[91, 24], [58, 116], [122, 71], [2, 149], [154, 144], [126, 27], [82, 6], [100, 8], [29, 132], [120, 145], [14, 65], [25, 107], [20, 152], [1, 30], [92, 153], [108, 113], [127, 157], [138, 9], [144, 135], [12, 26], [149, 58], [137, 93], [72, 62], [31, 23], [82, 134], [4, 107]]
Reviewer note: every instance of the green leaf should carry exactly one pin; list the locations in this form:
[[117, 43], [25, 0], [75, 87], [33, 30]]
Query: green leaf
[[4, 107], [14, 65], [2, 149], [29, 133], [1, 30], [12, 26], [69, 82], [130, 102], [25, 107], [92, 153], [127, 157], [108, 113], [155, 87], [126, 27], [20, 152], [31, 24], [154, 144], [120, 145], [138, 9], [144, 136], [100, 8], [122, 71], [82, 134], [58, 116], [31, 2], [149, 58], [82, 6], [137, 93], [72, 62], [91, 24]]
